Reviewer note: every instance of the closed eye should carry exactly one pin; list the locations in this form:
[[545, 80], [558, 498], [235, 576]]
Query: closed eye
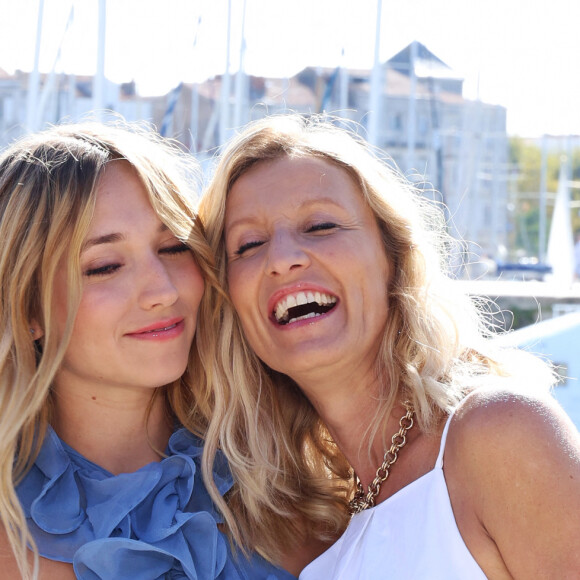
[[248, 246], [175, 249], [103, 270], [324, 226]]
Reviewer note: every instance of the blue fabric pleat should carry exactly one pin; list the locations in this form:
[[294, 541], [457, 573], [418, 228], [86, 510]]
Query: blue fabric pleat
[[158, 523]]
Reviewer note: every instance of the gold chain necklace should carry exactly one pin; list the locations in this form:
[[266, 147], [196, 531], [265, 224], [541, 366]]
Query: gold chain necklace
[[361, 500]]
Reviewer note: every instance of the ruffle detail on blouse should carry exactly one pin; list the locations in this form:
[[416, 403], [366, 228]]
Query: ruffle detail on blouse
[[156, 523]]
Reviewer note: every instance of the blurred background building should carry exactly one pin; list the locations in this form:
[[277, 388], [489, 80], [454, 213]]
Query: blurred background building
[[455, 148], [514, 201]]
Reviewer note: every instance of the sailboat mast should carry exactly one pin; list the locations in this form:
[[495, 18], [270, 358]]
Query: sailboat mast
[[376, 88], [225, 89], [543, 196], [34, 79], [412, 108], [240, 101], [99, 80]]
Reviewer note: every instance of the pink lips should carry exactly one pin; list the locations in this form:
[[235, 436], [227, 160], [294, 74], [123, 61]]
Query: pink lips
[[162, 330]]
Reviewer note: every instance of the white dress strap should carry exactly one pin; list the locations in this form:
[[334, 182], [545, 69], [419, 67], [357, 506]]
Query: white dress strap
[[439, 462]]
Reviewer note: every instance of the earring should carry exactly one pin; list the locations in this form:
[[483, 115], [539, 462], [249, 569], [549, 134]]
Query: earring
[[31, 330]]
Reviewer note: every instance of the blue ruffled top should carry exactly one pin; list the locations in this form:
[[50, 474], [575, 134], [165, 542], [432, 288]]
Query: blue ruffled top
[[156, 523]]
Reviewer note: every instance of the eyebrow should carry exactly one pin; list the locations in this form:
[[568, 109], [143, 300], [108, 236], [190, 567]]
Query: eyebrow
[[112, 238]]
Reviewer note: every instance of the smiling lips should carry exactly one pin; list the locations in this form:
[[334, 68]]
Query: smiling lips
[[302, 305], [160, 331]]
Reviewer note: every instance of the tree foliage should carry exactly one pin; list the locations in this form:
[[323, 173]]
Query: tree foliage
[[526, 162]]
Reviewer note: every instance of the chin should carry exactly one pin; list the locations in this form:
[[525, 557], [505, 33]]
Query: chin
[[306, 361], [167, 377]]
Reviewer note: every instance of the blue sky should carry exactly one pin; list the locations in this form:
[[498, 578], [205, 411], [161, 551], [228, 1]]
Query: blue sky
[[522, 54]]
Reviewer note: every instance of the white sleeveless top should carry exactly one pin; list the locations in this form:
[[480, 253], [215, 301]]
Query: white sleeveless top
[[412, 534]]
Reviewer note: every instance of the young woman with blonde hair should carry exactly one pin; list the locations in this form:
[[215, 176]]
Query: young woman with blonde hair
[[346, 347], [104, 391]]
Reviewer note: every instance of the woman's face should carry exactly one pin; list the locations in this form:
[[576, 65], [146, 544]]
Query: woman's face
[[141, 292], [307, 271]]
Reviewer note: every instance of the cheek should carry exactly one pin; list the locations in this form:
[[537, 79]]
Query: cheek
[[244, 295], [234, 286], [243, 289], [382, 289], [59, 304], [191, 283], [383, 278], [377, 256], [59, 310], [375, 269], [95, 306]]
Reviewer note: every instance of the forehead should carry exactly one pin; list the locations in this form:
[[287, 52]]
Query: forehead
[[298, 169], [292, 181], [117, 174], [120, 195]]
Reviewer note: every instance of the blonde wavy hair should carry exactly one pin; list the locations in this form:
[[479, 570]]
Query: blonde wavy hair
[[48, 187], [280, 453]]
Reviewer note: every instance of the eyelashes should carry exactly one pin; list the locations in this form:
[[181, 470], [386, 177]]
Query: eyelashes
[[325, 226], [106, 269], [103, 270], [245, 247], [321, 228], [175, 249]]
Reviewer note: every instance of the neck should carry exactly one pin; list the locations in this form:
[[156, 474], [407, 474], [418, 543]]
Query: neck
[[120, 431], [347, 407]]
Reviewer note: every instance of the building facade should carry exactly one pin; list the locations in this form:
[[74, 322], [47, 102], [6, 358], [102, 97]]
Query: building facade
[[455, 149]]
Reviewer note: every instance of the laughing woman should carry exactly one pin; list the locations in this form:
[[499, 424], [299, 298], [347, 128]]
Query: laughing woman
[[102, 274], [345, 330]]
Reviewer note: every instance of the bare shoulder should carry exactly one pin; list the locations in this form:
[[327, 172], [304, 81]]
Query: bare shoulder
[[516, 426], [513, 467]]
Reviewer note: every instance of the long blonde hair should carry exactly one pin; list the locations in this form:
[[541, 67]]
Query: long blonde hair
[[279, 451], [48, 187]]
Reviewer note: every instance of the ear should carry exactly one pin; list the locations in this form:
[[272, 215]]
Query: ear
[[36, 330]]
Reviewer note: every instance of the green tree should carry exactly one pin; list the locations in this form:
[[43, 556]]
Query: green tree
[[526, 160]]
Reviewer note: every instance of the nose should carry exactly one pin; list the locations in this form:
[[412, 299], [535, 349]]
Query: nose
[[285, 254], [157, 287]]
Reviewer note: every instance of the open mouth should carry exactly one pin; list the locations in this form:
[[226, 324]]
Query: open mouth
[[303, 305]]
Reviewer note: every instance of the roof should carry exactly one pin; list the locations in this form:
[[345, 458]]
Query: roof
[[427, 64]]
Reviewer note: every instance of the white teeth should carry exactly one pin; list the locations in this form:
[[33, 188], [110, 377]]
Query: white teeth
[[281, 311], [300, 298], [309, 315]]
